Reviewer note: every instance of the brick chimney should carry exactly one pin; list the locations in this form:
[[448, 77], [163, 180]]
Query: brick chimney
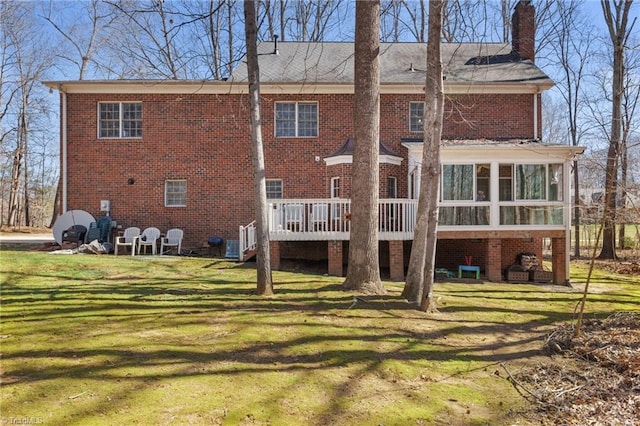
[[523, 30]]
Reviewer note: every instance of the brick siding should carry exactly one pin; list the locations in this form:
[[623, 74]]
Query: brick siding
[[206, 140]]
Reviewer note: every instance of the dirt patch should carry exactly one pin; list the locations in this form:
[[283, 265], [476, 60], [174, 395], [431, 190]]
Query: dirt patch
[[593, 378]]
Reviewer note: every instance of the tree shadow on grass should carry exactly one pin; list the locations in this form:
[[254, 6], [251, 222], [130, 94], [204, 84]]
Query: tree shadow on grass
[[334, 330]]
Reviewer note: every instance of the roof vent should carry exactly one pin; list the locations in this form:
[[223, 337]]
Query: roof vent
[[276, 51]]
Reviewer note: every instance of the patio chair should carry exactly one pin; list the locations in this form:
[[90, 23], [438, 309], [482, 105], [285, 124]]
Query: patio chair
[[75, 234], [129, 238], [172, 239], [149, 238]]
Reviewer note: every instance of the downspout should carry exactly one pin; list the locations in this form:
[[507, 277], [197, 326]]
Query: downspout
[[63, 136], [535, 114]]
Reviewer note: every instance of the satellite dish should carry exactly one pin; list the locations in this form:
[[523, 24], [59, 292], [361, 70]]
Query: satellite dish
[[67, 220]]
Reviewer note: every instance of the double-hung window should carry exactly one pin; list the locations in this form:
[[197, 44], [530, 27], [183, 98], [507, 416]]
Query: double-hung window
[[296, 119], [335, 187], [175, 193], [416, 116], [120, 119], [274, 188]]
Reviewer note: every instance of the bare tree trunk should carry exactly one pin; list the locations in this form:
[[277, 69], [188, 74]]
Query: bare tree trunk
[[24, 136], [619, 33], [265, 284], [16, 172], [623, 192], [419, 284], [577, 215], [363, 271]]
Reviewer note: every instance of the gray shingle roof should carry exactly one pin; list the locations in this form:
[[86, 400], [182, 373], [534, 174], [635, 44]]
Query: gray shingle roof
[[400, 63]]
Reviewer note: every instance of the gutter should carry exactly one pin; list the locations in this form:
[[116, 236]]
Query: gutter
[[63, 154]]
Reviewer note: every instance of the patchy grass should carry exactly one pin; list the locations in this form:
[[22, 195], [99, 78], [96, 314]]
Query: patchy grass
[[108, 340]]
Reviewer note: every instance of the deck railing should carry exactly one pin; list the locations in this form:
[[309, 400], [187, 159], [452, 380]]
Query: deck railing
[[325, 219], [330, 219]]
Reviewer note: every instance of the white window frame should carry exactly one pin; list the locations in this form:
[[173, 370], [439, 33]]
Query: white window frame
[[416, 127], [335, 187], [392, 187], [169, 194], [297, 120], [281, 190], [120, 120]]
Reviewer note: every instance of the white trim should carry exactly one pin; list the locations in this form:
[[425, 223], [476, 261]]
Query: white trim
[[348, 159], [242, 87], [64, 153], [535, 116], [524, 153], [333, 188]]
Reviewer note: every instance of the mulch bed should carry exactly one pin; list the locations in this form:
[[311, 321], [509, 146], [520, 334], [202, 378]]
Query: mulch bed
[[591, 379]]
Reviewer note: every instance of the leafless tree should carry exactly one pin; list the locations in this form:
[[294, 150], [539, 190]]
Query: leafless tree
[[265, 285], [571, 36], [79, 44], [83, 37], [220, 49], [363, 271], [630, 103], [21, 79], [391, 29], [420, 275], [616, 14], [149, 44]]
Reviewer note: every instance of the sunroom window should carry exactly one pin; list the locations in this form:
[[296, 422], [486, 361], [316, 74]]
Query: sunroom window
[[457, 182]]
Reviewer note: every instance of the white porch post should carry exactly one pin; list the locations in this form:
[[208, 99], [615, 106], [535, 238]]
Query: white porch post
[[494, 180]]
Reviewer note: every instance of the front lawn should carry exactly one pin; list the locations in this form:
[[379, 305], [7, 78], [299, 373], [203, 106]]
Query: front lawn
[[105, 340]]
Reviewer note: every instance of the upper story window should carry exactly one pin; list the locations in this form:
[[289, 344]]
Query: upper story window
[[120, 119], [175, 193], [296, 119], [416, 116], [274, 188]]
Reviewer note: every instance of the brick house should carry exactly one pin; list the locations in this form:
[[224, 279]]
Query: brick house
[[178, 154]]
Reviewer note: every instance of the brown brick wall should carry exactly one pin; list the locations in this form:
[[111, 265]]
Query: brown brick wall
[[451, 253], [206, 139], [336, 255]]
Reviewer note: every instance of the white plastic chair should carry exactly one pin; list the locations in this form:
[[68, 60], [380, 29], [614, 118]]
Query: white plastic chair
[[172, 239], [149, 238], [129, 238]]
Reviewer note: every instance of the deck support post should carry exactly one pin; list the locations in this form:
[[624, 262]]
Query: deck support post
[[335, 258], [274, 248], [493, 268], [558, 262], [396, 260]]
